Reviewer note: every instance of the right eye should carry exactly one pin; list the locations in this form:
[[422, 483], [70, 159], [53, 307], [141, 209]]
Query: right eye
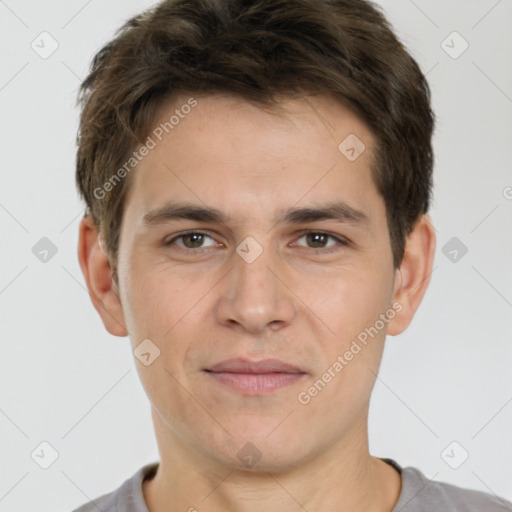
[[191, 240]]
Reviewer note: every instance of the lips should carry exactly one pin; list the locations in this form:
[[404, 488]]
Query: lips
[[240, 365], [255, 378]]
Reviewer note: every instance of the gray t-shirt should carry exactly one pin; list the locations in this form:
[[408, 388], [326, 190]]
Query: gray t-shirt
[[419, 494]]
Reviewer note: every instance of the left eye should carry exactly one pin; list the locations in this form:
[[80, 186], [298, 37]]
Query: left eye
[[321, 238], [195, 239]]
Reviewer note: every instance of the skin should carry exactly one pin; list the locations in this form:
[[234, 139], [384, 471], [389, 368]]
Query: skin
[[296, 302]]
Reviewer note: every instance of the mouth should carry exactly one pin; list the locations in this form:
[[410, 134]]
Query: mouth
[[255, 377]]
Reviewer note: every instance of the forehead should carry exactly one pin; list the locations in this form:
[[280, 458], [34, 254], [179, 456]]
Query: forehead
[[233, 155]]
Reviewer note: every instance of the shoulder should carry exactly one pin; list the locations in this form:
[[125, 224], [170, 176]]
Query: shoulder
[[105, 503], [126, 498], [420, 494]]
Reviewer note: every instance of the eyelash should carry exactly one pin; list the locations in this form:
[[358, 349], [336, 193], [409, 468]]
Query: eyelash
[[341, 241]]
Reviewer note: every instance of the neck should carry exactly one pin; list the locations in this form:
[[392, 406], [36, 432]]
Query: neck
[[344, 477]]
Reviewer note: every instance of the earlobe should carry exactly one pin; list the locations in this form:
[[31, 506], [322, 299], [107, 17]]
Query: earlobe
[[413, 277], [97, 273]]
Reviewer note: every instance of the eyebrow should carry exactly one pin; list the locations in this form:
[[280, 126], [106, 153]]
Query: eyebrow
[[339, 211]]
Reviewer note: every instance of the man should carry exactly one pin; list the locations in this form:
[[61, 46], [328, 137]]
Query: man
[[257, 177]]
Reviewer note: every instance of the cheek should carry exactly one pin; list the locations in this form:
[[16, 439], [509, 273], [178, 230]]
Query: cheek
[[160, 308], [353, 312], [169, 310], [350, 301], [155, 301], [351, 356]]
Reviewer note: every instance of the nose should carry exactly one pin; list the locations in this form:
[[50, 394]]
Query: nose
[[255, 296]]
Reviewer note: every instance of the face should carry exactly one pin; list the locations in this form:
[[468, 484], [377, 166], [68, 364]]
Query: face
[[258, 274]]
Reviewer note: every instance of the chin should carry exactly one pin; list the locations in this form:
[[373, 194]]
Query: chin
[[264, 449]]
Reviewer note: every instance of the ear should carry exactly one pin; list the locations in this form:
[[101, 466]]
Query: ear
[[96, 270], [413, 276]]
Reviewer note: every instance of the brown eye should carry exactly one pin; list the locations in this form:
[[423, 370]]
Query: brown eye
[[192, 240], [319, 239]]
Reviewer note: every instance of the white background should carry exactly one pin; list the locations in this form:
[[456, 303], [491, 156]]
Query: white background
[[65, 380]]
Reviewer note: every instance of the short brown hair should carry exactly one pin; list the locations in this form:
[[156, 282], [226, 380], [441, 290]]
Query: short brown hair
[[258, 50]]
